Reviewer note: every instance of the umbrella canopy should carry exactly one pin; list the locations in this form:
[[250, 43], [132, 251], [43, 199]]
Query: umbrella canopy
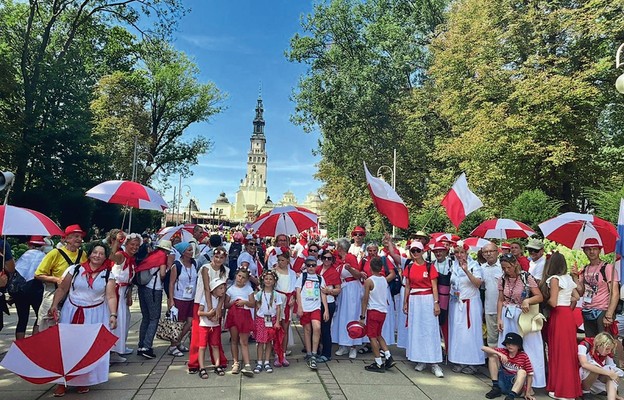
[[501, 228], [60, 353], [572, 229], [169, 231], [128, 193], [476, 243], [287, 220], [23, 221]]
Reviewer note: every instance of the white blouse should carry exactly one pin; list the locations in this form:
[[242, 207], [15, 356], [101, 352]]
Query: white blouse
[[566, 286]]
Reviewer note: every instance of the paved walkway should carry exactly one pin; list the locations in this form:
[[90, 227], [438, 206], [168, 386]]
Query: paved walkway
[[165, 378]]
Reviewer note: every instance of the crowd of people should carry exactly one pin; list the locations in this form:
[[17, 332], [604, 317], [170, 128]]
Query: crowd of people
[[431, 299]]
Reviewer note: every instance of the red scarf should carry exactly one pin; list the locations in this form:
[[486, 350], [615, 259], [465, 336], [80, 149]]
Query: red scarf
[[89, 273], [594, 354]]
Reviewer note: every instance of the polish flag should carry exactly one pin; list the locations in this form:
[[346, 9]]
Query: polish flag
[[460, 201], [619, 245], [387, 201]]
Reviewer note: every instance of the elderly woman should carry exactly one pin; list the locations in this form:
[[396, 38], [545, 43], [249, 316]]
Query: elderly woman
[[123, 272], [348, 304], [465, 313], [332, 290], [182, 285], [91, 299], [517, 290]]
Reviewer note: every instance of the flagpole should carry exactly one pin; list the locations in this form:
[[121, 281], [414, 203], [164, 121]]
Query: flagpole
[[394, 187]]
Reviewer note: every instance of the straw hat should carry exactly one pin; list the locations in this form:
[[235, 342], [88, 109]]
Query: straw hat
[[531, 321], [165, 245]]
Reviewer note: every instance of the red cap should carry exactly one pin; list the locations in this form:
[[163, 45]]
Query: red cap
[[505, 246], [591, 242], [75, 229], [37, 240], [358, 229]]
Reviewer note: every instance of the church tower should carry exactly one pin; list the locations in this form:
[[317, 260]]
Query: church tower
[[252, 193]]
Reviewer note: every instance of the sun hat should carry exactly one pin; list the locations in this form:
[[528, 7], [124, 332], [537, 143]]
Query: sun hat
[[421, 234], [535, 244], [438, 245], [355, 330], [215, 283], [75, 229], [505, 246], [165, 245], [591, 242], [531, 321], [416, 244]]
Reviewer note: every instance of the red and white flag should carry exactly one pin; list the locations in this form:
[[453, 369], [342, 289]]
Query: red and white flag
[[460, 201], [387, 201]]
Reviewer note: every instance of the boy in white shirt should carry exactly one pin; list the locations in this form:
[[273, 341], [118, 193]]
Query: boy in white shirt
[[309, 298], [210, 329]]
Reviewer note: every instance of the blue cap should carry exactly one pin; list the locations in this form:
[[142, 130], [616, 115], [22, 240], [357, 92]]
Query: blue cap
[[310, 258]]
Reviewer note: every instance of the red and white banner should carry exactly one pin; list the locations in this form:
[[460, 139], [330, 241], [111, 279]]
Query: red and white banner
[[387, 201], [460, 201]]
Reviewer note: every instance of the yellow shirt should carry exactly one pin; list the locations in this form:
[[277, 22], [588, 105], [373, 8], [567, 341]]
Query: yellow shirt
[[54, 264]]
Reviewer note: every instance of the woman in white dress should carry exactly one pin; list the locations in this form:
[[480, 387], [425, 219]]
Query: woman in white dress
[[465, 313], [91, 299], [123, 272]]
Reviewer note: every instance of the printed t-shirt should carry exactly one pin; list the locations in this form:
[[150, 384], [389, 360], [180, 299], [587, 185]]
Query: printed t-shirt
[[310, 292]]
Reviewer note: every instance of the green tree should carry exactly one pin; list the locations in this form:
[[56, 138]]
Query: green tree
[[160, 100], [524, 88], [532, 207]]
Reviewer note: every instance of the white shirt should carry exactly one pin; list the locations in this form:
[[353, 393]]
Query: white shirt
[[203, 320], [566, 286], [536, 268], [251, 260], [461, 282], [212, 274], [268, 307], [27, 264], [186, 283], [443, 267], [491, 275], [378, 297], [310, 292], [239, 293]]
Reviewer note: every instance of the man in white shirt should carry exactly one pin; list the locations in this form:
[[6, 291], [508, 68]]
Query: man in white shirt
[[537, 259], [492, 272]]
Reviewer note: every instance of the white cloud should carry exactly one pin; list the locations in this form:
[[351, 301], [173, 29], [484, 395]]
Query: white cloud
[[218, 43]]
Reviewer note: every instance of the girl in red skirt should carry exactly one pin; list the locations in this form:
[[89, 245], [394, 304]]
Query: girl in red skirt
[[559, 291], [239, 300], [268, 309]]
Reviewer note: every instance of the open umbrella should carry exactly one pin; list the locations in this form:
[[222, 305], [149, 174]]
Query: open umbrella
[[169, 231], [19, 221], [476, 243], [60, 353], [501, 228], [128, 193], [287, 220], [571, 229]]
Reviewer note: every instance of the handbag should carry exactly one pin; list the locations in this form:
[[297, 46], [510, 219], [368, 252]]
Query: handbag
[[168, 329], [16, 285]]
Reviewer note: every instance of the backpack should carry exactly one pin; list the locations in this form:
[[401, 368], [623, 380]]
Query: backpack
[[236, 249], [167, 278], [304, 279], [620, 304], [524, 277], [77, 271], [395, 284], [156, 258], [409, 264]]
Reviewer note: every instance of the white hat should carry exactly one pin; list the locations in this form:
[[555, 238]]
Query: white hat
[[165, 245], [416, 244], [215, 283]]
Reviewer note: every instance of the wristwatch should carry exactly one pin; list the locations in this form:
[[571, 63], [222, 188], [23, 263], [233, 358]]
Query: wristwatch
[[362, 317]]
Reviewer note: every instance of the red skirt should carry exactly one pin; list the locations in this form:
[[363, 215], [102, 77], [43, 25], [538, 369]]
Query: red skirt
[[563, 364], [261, 331], [240, 318]]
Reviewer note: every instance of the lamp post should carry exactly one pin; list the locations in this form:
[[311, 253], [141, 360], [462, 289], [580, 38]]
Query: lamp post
[[619, 83], [188, 194], [392, 178], [148, 168]]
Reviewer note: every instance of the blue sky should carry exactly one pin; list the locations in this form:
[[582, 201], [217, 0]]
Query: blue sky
[[240, 45]]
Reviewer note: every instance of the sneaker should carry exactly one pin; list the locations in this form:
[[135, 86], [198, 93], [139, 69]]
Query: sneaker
[[173, 351], [469, 370], [374, 367], [494, 393], [322, 359], [342, 350], [312, 363], [420, 367], [60, 391], [247, 371], [353, 353], [307, 357], [389, 363], [288, 352], [116, 358], [148, 353], [437, 371]]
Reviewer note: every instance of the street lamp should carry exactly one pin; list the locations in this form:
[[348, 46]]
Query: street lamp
[[188, 194], [392, 178], [619, 83], [148, 168]]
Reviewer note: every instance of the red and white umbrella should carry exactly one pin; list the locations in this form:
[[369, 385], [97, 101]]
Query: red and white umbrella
[[502, 228], [169, 231], [17, 221], [572, 229], [60, 353], [128, 193], [476, 243], [287, 220]]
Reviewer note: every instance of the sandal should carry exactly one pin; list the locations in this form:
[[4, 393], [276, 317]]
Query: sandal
[[364, 350], [183, 348], [268, 368], [235, 368], [257, 369], [219, 371], [173, 351], [193, 371], [203, 373]]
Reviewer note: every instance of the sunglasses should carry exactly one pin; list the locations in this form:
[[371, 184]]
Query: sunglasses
[[251, 244], [313, 250], [311, 265], [533, 251], [415, 250], [510, 258], [358, 234], [327, 258]]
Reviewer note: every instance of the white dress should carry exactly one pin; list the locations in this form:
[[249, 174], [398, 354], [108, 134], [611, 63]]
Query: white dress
[[122, 280], [80, 294], [348, 308], [465, 317], [401, 319]]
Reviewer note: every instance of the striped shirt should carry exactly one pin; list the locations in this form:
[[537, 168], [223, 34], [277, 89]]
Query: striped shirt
[[513, 365]]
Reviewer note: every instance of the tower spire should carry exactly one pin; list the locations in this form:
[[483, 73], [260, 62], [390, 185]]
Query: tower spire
[[258, 122]]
